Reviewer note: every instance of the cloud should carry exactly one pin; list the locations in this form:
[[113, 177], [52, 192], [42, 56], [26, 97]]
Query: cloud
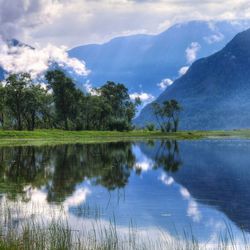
[[143, 163], [36, 61], [183, 70], [78, 197], [144, 97], [192, 210], [167, 180], [17, 17], [191, 52], [89, 88], [216, 37], [165, 83], [74, 22]]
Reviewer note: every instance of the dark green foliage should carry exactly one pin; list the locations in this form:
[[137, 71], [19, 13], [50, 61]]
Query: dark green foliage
[[150, 127], [26, 105], [167, 115], [23, 104]]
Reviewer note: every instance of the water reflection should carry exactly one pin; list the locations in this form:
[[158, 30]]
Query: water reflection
[[164, 184]]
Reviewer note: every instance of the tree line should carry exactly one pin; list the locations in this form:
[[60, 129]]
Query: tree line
[[26, 105]]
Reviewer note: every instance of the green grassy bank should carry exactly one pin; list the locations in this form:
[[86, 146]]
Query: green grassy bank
[[43, 137]]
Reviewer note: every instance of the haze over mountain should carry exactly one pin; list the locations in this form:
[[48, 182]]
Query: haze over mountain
[[215, 91], [148, 63]]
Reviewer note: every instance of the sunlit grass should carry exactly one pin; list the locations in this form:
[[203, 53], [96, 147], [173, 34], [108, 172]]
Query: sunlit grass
[[54, 136]]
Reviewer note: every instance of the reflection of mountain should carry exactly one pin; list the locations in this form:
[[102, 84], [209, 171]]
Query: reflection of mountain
[[217, 173], [214, 173]]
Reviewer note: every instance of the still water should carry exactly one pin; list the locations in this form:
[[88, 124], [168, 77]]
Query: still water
[[171, 186]]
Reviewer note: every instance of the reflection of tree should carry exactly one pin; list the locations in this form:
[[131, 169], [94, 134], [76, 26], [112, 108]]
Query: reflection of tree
[[60, 168], [21, 166], [168, 157], [106, 164]]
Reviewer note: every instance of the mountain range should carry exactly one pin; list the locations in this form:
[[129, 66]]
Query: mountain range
[[215, 91], [142, 62]]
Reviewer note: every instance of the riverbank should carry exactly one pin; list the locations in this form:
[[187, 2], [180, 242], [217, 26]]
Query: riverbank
[[44, 137]]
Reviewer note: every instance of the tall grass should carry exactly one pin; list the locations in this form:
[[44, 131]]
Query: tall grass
[[31, 233]]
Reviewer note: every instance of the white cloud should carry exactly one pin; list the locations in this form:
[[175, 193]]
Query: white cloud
[[167, 180], [191, 52], [185, 193], [88, 87], [183, 70], [192, 210], [144, 97], [74, 22], [78, 197], [216, 37], [165, 83], [37, 61]]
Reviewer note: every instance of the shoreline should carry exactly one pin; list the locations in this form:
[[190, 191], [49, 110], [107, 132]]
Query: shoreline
[[55, 137]]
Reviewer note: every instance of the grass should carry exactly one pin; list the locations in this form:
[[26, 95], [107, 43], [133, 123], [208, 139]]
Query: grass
[[54, 136], [32, 233]]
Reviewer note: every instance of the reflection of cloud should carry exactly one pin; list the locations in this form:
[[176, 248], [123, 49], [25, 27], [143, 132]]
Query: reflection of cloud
[[184, 193], [78, 197], [167, 180], [192, 210], [142, 161]]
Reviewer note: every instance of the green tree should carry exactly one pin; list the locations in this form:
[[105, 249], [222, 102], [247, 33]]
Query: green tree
[[15, 89], [167, 115], [64, 92], [171, 109], [35, 105], [122, 109]]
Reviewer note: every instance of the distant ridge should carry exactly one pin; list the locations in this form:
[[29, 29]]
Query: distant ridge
[[143, 61], [215, 92]]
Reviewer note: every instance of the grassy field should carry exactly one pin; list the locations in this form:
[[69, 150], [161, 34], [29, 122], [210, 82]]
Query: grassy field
[[43, 137]]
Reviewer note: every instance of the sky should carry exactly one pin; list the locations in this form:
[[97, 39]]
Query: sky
[[77, 22]]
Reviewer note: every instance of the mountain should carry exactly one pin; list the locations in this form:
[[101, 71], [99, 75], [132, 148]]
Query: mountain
[[143, 61], [215, 92]]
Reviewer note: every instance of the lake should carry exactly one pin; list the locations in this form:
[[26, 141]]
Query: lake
[[200, 188]]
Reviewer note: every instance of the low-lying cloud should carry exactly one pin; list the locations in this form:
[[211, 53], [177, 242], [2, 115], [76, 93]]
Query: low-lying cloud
[[192, 51], [165, 83], [144, 97], [17, 59], [183, 70]]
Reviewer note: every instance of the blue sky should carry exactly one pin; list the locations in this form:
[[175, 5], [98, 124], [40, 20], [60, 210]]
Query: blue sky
[[75, 22]]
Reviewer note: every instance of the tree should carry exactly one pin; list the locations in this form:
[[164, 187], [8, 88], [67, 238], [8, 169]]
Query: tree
[[167, 115], [122, 108], [64, 95], [171, 109], [16, 86], [37, 105], [2, 105]]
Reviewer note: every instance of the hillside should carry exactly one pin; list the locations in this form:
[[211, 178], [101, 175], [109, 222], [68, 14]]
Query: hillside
[[215, 91], [143, 61]]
